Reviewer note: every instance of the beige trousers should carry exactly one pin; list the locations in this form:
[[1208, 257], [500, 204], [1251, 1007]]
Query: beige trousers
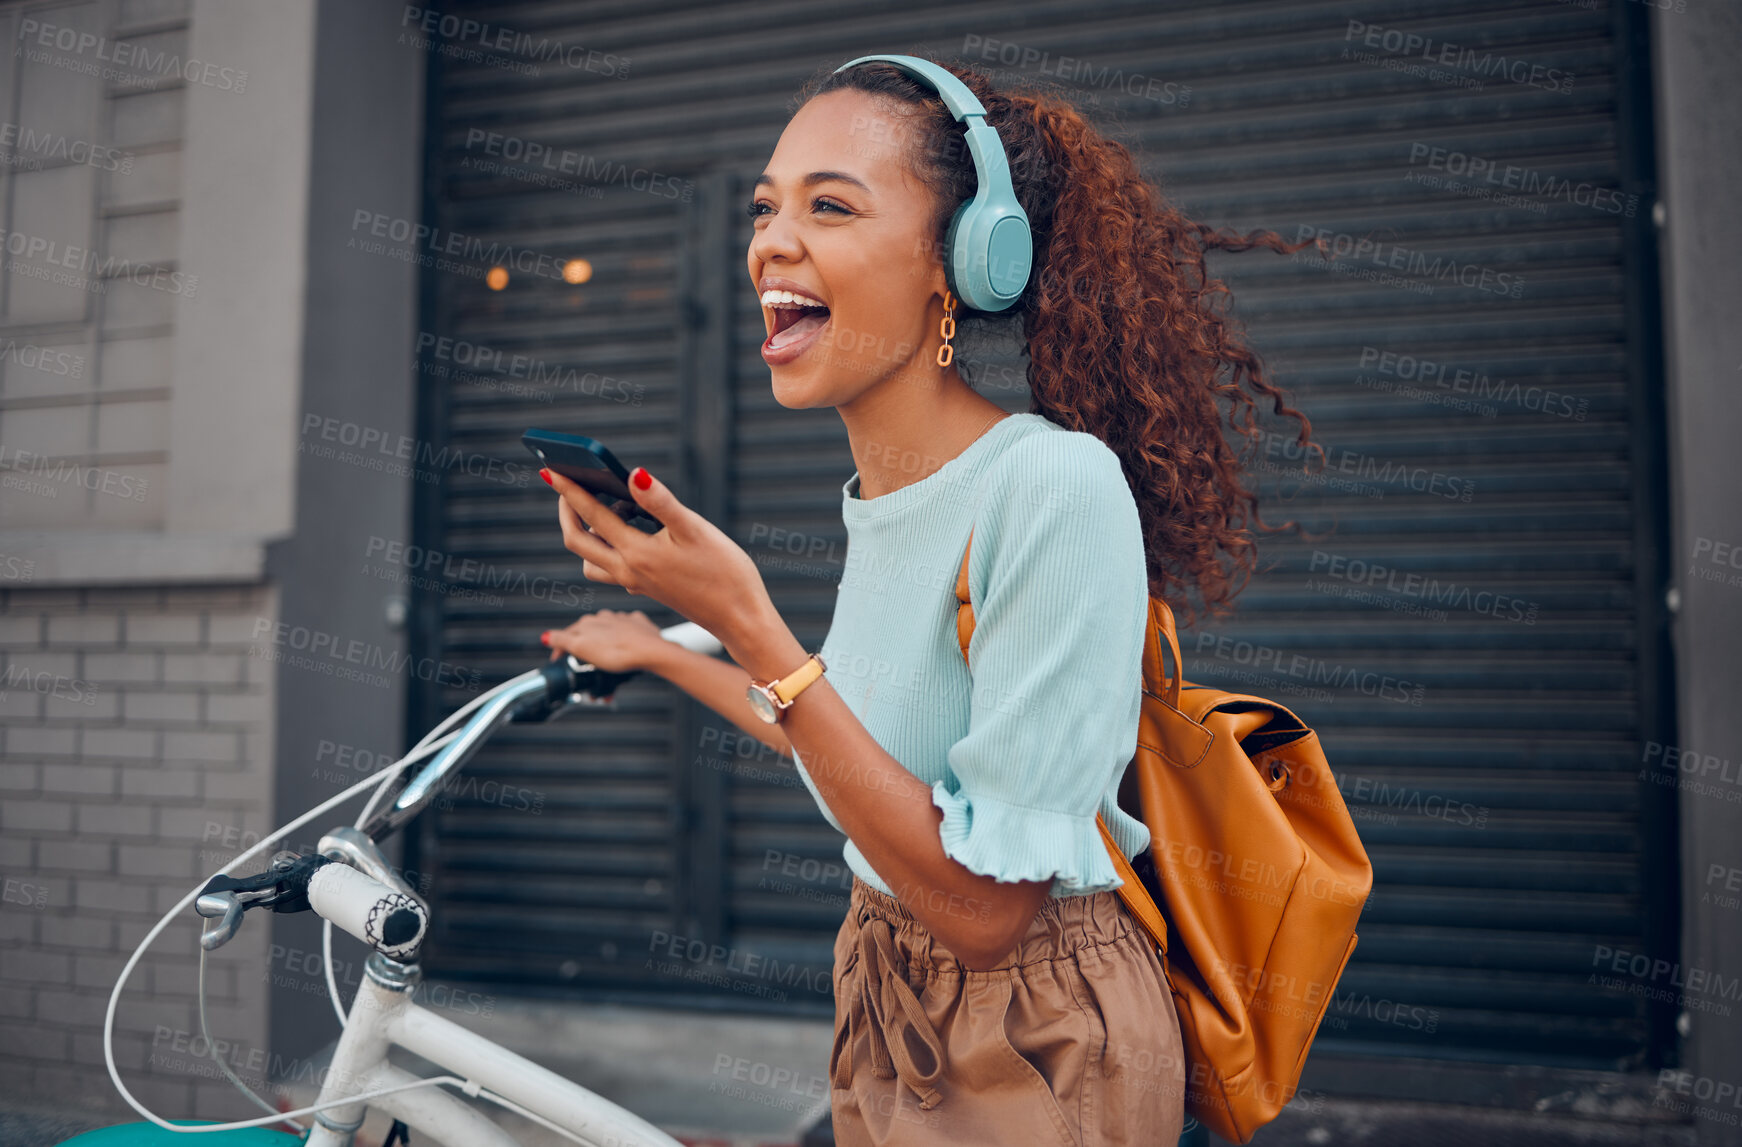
[[1071, 1041]]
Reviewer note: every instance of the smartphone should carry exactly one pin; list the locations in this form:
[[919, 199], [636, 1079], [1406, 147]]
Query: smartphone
[[587, 462]]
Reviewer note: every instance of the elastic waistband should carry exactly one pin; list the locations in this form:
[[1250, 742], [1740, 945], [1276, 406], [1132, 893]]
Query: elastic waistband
[[1061, 926]]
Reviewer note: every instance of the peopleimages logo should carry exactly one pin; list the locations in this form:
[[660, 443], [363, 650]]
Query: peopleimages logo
[[594, 170], [126, 62], [16, 465], [392, 453], [1311, 670], [459, 31], [472, 249], [30, 148], [1409, 260], [460, 576], [1023, 58], [48, 683], [1451, 594], [1392, 368], [337, 656], [490, 367], [57, 361], [1341, 460], [82, 268], [1397, 42], [1526, 181]]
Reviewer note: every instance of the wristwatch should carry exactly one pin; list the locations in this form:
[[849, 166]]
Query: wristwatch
[[769, 700]]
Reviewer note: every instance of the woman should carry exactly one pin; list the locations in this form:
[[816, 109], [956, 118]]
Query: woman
[[990, 987]]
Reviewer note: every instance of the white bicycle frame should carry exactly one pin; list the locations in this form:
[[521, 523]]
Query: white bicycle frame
[[383, 1015]]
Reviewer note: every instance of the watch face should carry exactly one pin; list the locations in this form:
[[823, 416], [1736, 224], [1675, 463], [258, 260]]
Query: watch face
[[762, 706]]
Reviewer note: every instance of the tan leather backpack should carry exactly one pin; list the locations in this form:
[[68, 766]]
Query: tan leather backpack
[[1257, 867]]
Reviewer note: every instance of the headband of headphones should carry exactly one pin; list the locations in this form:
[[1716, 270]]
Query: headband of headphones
[[990, 247]]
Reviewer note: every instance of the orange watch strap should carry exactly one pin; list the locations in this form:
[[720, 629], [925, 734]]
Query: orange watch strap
[[794, 683]]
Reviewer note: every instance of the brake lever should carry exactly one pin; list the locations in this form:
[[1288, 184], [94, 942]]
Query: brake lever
[[226, 905], [283, 888]]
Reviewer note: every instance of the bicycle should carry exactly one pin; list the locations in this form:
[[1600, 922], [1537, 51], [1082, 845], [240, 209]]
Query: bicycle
[[348, 883]]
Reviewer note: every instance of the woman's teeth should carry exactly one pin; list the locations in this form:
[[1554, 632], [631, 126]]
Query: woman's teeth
[[789, 298]]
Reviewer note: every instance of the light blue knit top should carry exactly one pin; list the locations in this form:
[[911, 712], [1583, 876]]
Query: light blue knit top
[[1021, 756]]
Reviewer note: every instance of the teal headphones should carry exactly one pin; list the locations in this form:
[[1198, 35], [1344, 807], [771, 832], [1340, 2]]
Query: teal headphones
[[990, 247]]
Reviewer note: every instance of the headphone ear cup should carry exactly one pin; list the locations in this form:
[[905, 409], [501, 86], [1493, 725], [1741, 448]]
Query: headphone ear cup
[[996, 251], [952, 236], [1009, 258], [967, 260]]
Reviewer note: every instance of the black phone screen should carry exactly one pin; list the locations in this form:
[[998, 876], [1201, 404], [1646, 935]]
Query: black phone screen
[[589, 463]]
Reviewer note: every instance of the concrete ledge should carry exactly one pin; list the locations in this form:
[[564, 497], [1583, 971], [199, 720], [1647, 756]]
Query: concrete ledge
[[132, 557], [1321, 1121], [1327, 1121]]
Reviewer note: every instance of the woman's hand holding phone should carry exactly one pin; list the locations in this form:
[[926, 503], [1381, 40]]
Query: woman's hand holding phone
[[690, 565]]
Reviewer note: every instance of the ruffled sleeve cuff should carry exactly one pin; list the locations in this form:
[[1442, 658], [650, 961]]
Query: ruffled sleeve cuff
[[1012, 842]]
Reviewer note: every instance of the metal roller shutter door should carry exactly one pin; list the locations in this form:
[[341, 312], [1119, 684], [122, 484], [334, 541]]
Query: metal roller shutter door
[[1511, 835]]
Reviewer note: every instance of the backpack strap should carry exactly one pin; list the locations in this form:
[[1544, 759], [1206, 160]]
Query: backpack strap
[[964, 611], [1132, 891], [1136, 896]]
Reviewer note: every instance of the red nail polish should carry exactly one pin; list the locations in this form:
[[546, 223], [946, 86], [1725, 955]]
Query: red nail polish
[[545, 474], [544, 637], [642, 479]]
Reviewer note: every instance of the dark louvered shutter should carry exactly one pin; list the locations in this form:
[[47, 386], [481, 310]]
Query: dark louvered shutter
[[1474, 627]]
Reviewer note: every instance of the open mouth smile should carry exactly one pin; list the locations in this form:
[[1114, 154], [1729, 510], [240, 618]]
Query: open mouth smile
[[798, 319]]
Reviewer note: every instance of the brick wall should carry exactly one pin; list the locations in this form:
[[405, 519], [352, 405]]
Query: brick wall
[[85, 378], [135, 732], [135, 756]]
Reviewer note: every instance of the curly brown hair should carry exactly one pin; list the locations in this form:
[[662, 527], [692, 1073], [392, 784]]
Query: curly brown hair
[[1125, 329]]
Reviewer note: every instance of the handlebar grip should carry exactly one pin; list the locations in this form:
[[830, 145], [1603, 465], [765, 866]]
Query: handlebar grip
[[390, 922], [692, 637]]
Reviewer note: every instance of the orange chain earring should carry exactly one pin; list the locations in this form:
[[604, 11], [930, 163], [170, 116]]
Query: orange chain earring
[[947, 328]]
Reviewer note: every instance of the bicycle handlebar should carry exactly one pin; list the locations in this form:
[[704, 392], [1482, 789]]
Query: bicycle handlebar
[[287, 884], [391, 922], [559, 685]]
